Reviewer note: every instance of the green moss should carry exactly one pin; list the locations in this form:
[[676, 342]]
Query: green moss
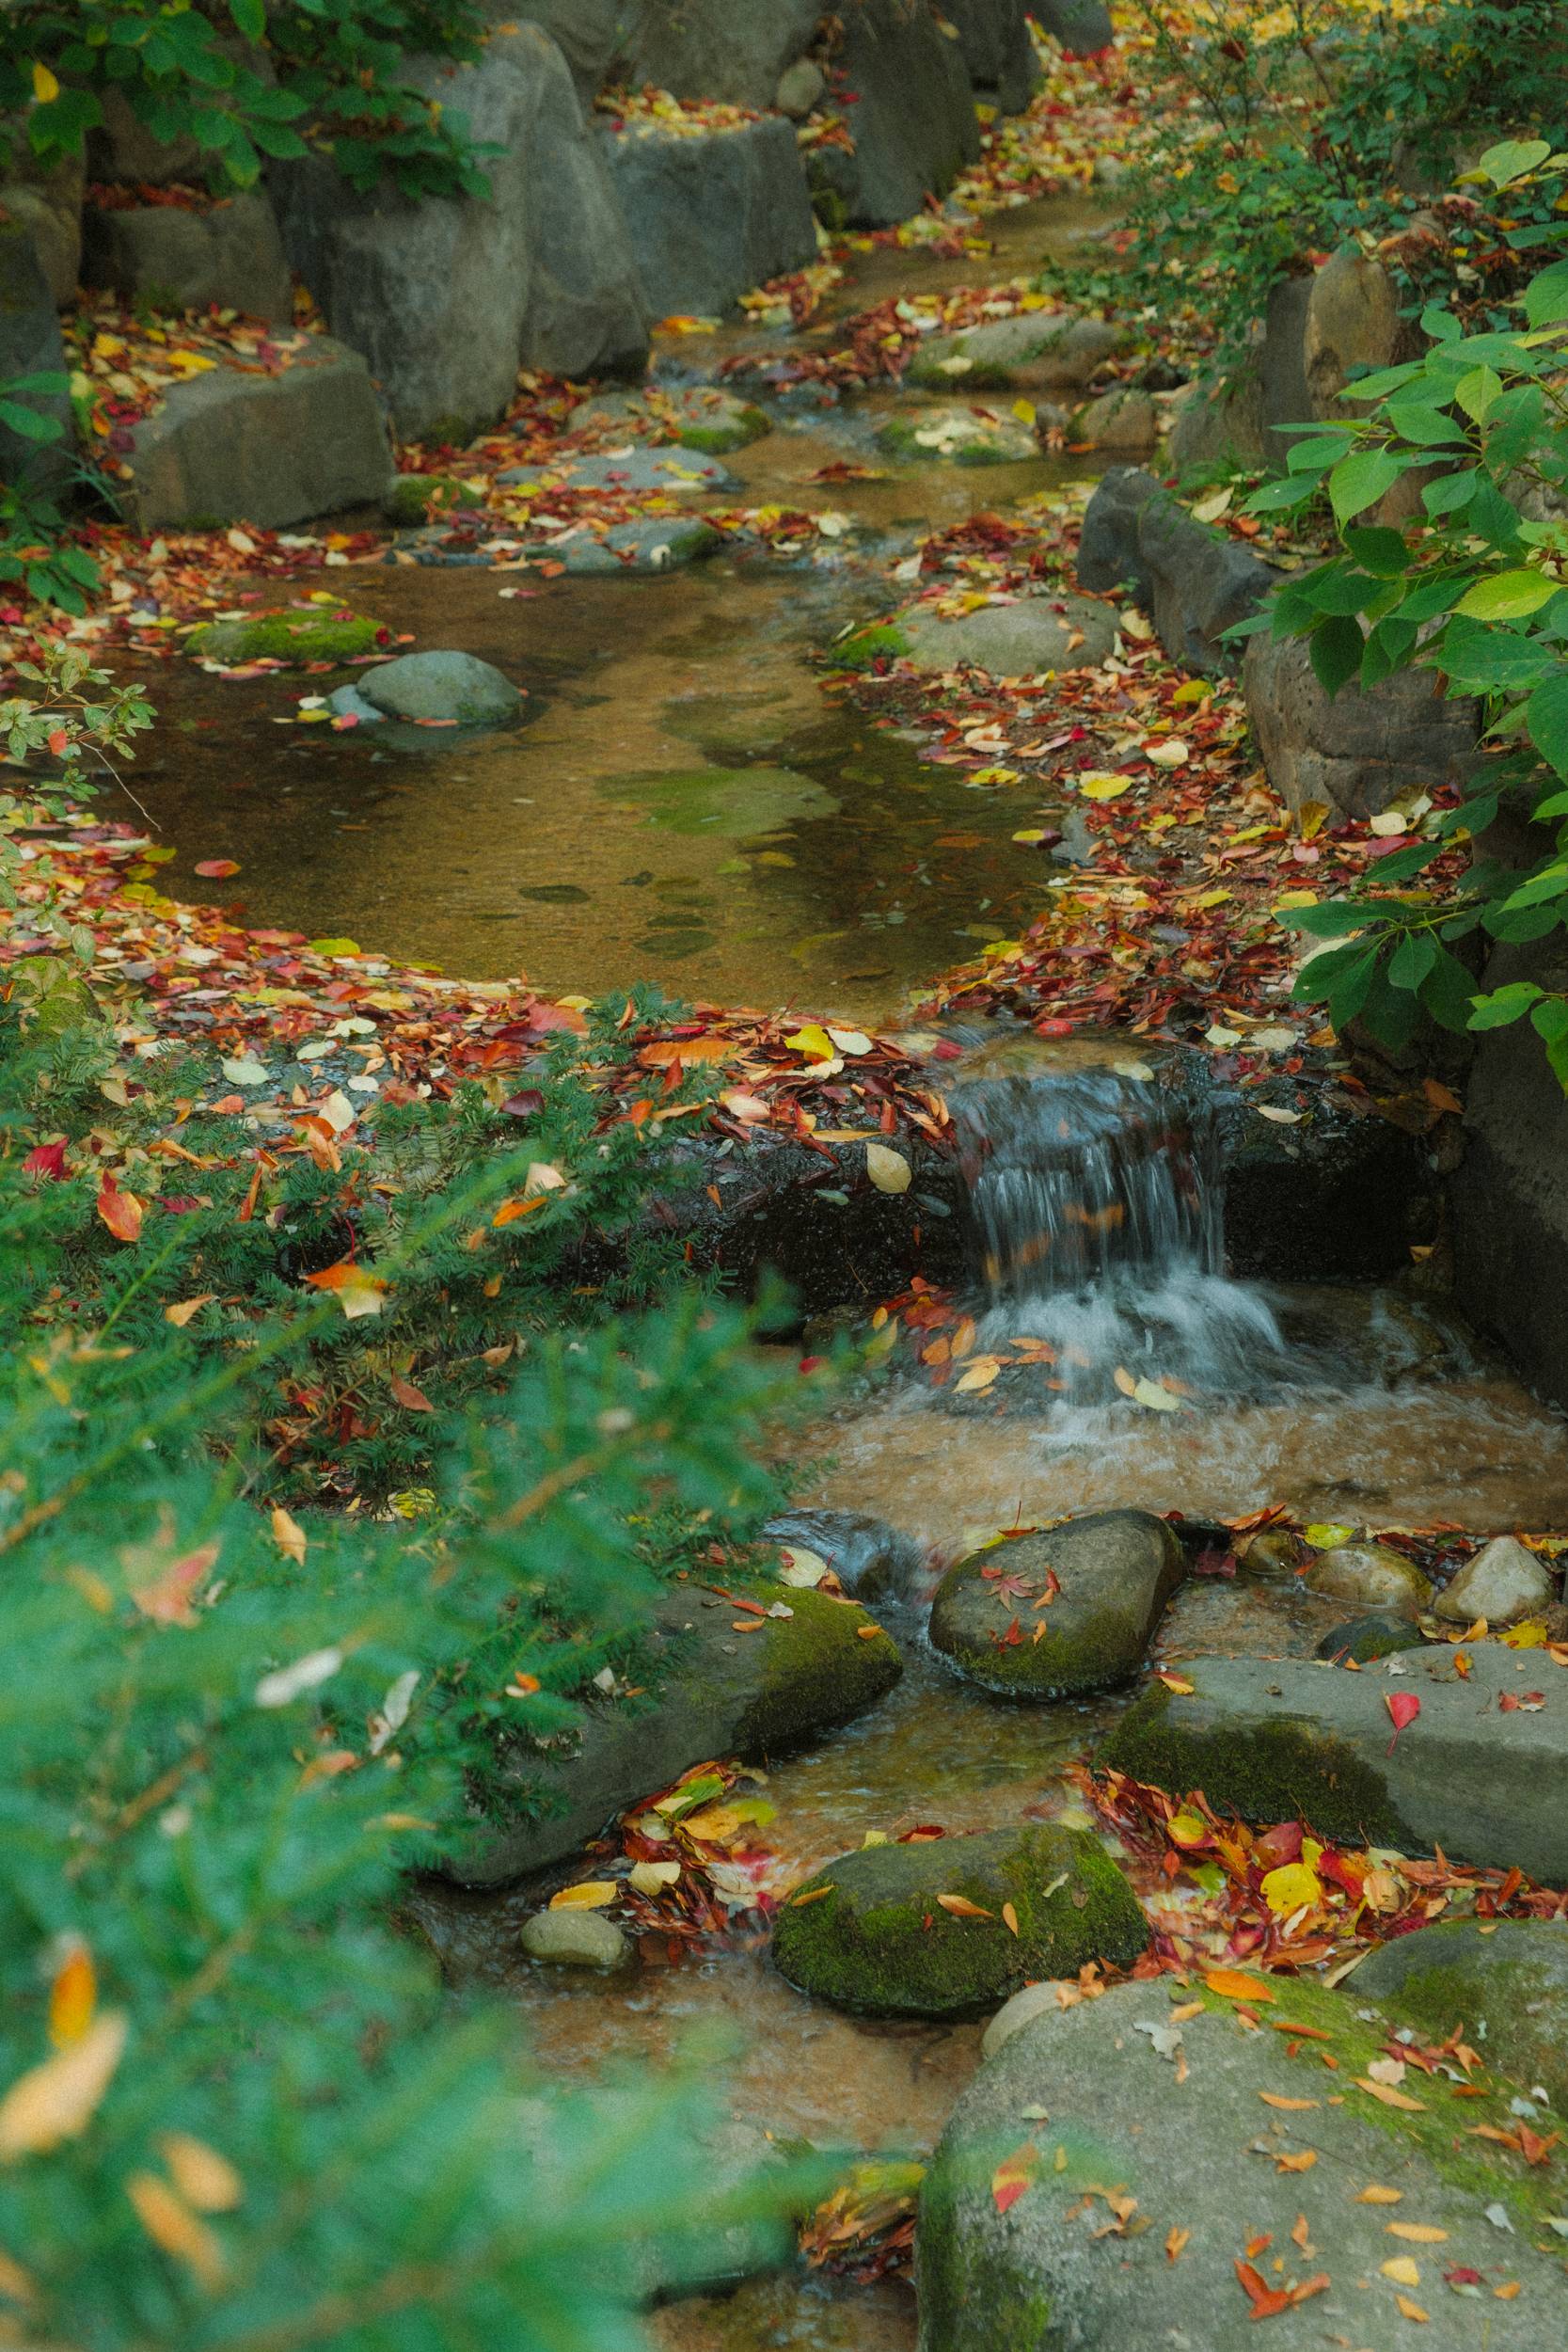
[[740, 427], [1093, 1655], [816, 1670], [1508, 1990], [414, 497], [882, 642], [962, 2276], [1264, 1772], [879, 1939], [898, 439], [297, 633]]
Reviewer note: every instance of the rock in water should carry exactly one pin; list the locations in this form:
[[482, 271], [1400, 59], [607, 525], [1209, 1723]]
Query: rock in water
[[1017, 2243], [918, 1929], [1113, 1572], [1124, 421], [295, 633], [1064, 632], [1502, 1584], [957, 437], [870, 1559], [1380, 1634], [574, 1939], [1048, 351], [442, 686], [1372, 1576], [1505, 1982], [1279, 1739]]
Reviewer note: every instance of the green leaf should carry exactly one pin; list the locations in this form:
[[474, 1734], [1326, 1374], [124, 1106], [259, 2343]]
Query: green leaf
[[1546, 297], [1507, 597], [1412, 959], [1325, 922], [1547, 721], [1452, 491], [1476, 391], [1360, 481], [251, 18], [1511, 159], [1428, 428], [1503, 1005], [28, 422], [1335, 649], [1382, 553]]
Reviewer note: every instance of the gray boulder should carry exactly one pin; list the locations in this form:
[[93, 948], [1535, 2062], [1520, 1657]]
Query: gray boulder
[[870, 1558], [660, 542], [442, 685], [1124, 421], [1243, 419], [998, 52], [1195, 584], [801, 86], [585, 32], [913, 120], [1084, 27], [1369, 1575], [1066, 1610], [1503, 1583], [710, 217], [1360, 750], [1047, 351], [46, 200], [1274, 1740], [1353, 325], [876, 1932], [732, 50], [957, 437], [1062, 633], [1102, 2176], [574, 1939], [271, 450], [1377, 1633], [711, 1692], [231, 254], [30, 344], [448, 296], [1505, 1983]]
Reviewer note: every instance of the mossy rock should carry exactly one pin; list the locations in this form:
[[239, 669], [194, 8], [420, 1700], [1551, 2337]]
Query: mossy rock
[[293, 634], [955, 436], [1378, 1633], [1504, 1982], [416, 498], [883, 641], [734, 427], [993, 1622], [872, 1932], [1224, 2130], [1372, 1575]]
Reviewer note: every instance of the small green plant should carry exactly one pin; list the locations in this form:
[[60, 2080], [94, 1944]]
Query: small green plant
[[78, 721], [1476, 590], [35, 551]]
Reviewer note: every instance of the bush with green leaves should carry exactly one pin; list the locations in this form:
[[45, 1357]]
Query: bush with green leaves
[[35, 549], [248, 80], [1473, 589]]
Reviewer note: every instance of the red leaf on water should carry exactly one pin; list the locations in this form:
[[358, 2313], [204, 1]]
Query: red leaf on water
[[217, 868]]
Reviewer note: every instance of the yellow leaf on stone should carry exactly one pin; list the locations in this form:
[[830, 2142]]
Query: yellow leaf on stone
[[1401, 2270], [888, 1170], [590, 1894], [1025, 411], [1375, 2194], [1291, 1886], [652, 1878], [1326, 1536]]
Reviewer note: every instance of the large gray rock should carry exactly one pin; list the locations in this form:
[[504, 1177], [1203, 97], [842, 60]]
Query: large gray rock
[[732, 50], [1351, 325], [998, 52], [1195, 2139], [710, 217], [270, 449], [658, 543], [231, 254], [1062, 633], [1243, 419], [30, 344], [1084, 27], [447, 296], [1195, 584], [957, 437], [1361, 750], [912, 119], [585, 32], [1046, 351], [442, 685], [875, 1930], [1505, 1982], [46, 200], [1064, 1611], [1274, 1740], [1124, 421], [712, 1692]]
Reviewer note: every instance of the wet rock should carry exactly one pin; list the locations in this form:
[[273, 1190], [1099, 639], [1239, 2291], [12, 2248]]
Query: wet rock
[[1048, 351], [1033, 2001], [998, 51], [574, 1939], [230, 253], [1195, 583], [872, 1932], [1049, 2268], [870, 1559], [447, 296], [1115, 1571], [1125, 419], [45, 200], [1502, 1584], [420, 497], [1379, 1633], [678, 472], [698, 416], [1505, 1982], [30, 344], [913, 120], [1372, 1576], [442, 685], [1360, 750], [660, 543], [731, 50], [1062, 633], [957, 437], [1084, 27], [800, 87], [1337, 1198], [713, 217], [1279, 1739], [710, 1691], [270, 449], [292, 633]]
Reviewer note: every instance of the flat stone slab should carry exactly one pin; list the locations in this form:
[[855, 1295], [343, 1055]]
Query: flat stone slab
[[1504, 1980], [1067, 632], [683, 473], [1034, 350], [1274, 1739], [1047, 2219], [657, 544]]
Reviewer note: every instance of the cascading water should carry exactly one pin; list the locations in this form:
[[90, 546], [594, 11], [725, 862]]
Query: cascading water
[[1098, 1201]]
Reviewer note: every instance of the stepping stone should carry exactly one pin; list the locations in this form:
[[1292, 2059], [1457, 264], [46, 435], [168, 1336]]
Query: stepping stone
[[1031, 351], [296, 633], [1274, 1740], [1504, 1980], [957, 437], [1369, 1575], [658, 543], [870, 1558], [1066, 632], [671, 470], [876, 1932], [1109, 2113], [437, 685], [1103, 1581], [1504, 1582], [698, 416], [574, 1939]]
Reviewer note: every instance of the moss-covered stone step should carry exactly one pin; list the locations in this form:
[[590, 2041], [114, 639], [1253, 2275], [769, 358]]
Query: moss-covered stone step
[[1271, 1740], [1033, 351], [1505, 1982], [297, 633], [712, 1692], [1086, 2120], [1063, 1611], [957, 437], [920, 1930]]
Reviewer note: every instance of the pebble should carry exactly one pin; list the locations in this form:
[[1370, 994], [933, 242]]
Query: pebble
[[574, 1939], [1504, 1582]]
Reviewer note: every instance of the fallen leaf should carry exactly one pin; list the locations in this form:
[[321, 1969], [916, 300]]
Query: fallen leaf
[[588, 1895], [171, 2225], [121, 1211], [1237, 1987], [1388, 2095], [888, 1170], [1404, 1706], [288, 1535], [56, 2101], [180, 1314], [204, 2179], [961, 1908], [356, 1289], [1401, 2270], [1416, 2233], [1015, 2173]]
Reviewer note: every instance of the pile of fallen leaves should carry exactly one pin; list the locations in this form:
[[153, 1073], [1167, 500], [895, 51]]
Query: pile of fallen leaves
[[122, 364], [688, 1864]]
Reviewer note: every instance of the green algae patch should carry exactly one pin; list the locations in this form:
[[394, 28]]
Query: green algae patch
[[1283, 1769], [883, 642], [958, 440], [295, 633], [738, 429], [921, 1931], [417, 497], [1504, 1985], [822, 1665]]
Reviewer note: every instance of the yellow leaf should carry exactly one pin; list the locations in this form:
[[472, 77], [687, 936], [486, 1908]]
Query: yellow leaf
[[72, 1997], [1289, 2106], [888, 1170], [181, 1313], [1410, 2309], [45, 87], [1530, 1635], [1327, 1537], [979, 1374], [1402, 2271], [1169, 752], [1416, 2233], [288, 1535], [56, 2101], [171, 2223], [1288, 1888], [1025, 411], [1009, 1919], [961, 1908], [1296, 899], [590, 1894], [813, 1040], [1375, 2194], [1099, 787], [652, 1878], [1185, 1828], [1311, 817], [204, 2179]]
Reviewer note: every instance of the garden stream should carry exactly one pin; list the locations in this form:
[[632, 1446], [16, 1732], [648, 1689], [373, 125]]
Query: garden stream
[[683, 806]]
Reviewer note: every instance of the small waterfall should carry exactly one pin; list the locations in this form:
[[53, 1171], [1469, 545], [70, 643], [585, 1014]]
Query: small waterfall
[[1098, 1202]]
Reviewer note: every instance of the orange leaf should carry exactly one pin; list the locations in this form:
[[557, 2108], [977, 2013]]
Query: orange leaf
[[961, 1908], [1292, 2107], [167, 1599], [1235, 1986], [1176, 2243], [58, 2100], [72, 1997], [1302, 2162], [1412, 2311], [1390, 2097], [180, 1314], [170, 2224], [413, 1400], [121, 1211], [1009, 1919], [1014, 2174]]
